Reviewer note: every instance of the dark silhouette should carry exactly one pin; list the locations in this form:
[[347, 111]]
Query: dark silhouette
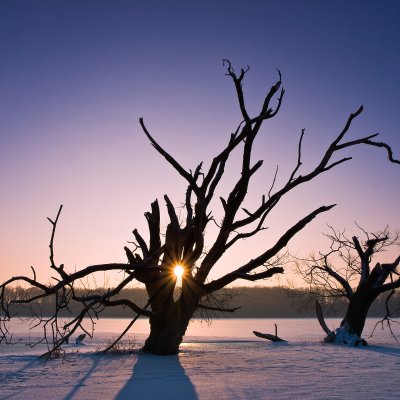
[[182, 243], [148, 368], [347, 271], [273, 338]]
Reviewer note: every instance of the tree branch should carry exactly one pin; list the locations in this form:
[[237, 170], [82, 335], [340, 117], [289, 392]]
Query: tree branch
[[261, 275], [264, 257], [342, 281], [238, 85], [395, 284], [170, 159], [230, 310]]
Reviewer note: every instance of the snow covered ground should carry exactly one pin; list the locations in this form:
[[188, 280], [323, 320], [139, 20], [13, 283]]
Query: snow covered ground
[[210, 366]]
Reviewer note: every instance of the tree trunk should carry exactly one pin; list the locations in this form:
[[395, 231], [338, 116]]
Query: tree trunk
[[167, 331], [352, 325]]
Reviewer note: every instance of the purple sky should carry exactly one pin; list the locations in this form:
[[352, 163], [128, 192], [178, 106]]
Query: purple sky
[[75, 76]]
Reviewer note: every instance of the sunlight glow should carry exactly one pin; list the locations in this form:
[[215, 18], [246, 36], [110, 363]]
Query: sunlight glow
[[178, 271]]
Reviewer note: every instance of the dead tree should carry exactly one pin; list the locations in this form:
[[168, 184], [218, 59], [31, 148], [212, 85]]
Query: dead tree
[[152, 262], [349, 270]]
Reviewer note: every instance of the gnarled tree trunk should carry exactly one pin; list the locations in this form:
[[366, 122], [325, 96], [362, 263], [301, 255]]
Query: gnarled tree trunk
[[357, 312], [353, 323], [167, 331]]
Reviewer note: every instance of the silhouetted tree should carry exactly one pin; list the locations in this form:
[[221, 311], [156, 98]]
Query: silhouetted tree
[[349, 270], [152, 262]]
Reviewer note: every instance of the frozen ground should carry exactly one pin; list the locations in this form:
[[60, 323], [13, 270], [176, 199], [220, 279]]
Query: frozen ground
[[212, 368]]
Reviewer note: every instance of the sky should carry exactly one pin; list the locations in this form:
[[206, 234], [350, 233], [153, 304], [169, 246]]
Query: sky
[[75, 76]]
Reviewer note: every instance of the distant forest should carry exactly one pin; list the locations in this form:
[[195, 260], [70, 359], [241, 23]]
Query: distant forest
[[254, 302]]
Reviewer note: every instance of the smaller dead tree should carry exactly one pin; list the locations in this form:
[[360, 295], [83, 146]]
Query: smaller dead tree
[[349, 270]]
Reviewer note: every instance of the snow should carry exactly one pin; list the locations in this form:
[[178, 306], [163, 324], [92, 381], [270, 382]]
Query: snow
[[343, 336], [210, 367]]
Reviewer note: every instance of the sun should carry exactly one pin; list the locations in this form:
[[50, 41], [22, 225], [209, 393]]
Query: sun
[[178, 271]]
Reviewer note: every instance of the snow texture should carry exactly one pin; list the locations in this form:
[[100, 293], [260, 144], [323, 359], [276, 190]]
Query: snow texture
[[343, 336], [208, 368]]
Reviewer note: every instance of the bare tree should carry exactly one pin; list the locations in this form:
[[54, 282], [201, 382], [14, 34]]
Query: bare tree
[[349, 270], [152, 262]]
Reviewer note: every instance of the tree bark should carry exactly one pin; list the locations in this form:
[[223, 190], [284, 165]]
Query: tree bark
[[353, 323], [167, 331]]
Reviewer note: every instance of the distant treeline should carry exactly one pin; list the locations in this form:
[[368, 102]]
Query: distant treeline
[[254, 302]]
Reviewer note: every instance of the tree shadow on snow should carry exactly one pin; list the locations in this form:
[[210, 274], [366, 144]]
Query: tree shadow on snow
[[158, 377], [20, 375], [83, 379], [388, 350]]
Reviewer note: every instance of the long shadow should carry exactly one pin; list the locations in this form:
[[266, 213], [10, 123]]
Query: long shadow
[[158, 377], [17, 375], [388, 350], [81, 382], [38, 367]]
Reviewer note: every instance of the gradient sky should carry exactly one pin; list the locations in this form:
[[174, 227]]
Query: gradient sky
[[75, 76]]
